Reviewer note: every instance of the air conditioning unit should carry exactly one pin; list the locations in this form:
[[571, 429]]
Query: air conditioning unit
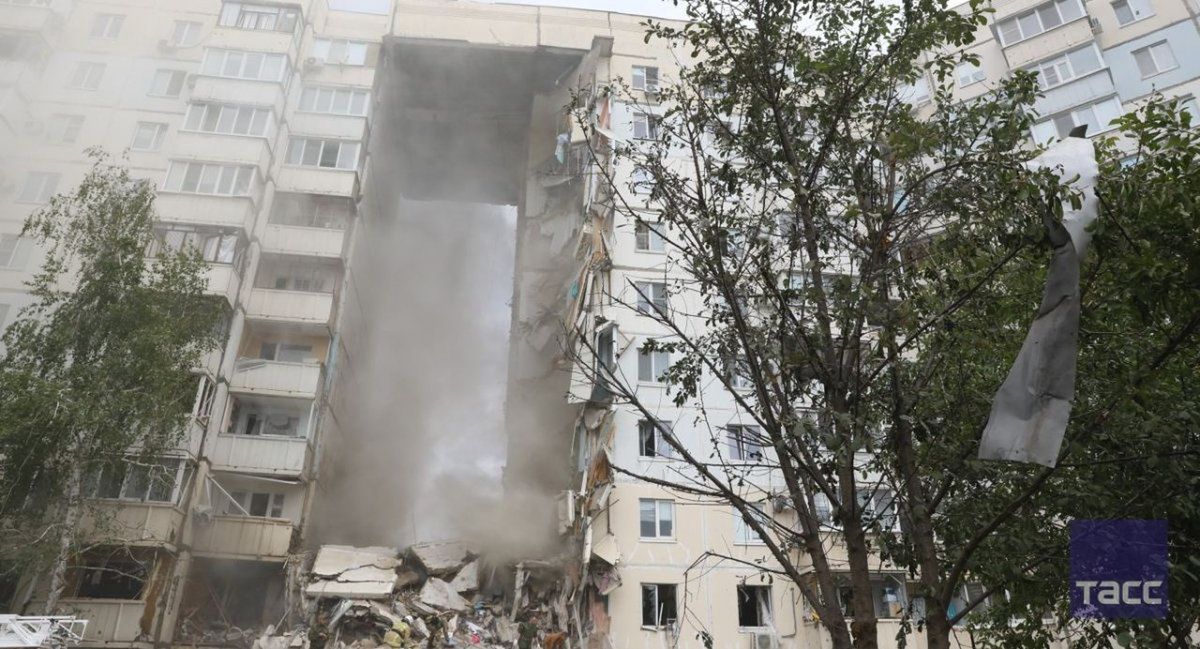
[[313, 63], [766, 641]]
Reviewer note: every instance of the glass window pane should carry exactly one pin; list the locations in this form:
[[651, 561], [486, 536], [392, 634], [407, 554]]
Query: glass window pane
[[329, 154], [666, 518], [308, 98], [1069, 10], [258, 125], [1049, 16], [295, 151], [1084, 60], [174, 176], [208, 181], [192, 177], [245, 176], [226, 186], [358, 103], [646, 518], [1029, 25], [226, 121], [194, 115], [233, 64], [312, 152], [241, 125], [1163, 56], [324, 100], [348, 155], [212, 61], [341, 102], [1123, 12]]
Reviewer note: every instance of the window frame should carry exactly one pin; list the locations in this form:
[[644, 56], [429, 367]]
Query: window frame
[[761, 596], [1133, 12], [47, 187], [314, 91], [299, 159], [641, 76], [200, 113], [743, 534], [252, 182], [62, 124], [645, 233], [323, 49], [249, 16], [659, 618], [652, 297], [172, 75], [82, 76], [651, 445], [1149, 50], [977, 75], [216, 60], [1036, 13], [739, 443], [106, 26], [191, 33], [656, 373], [649, 123], [657, 507], [156, 140]]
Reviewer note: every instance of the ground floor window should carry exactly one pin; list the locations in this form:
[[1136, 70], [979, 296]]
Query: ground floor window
[[754, 606], [658, 605]]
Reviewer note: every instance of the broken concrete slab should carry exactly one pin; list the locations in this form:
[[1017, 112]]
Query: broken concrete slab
[[439, 595], [467, 579], [440, 559], [353, 573], [333, 560], [328, 588]]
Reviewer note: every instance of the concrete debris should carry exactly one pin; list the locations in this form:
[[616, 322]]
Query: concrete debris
[[438, 559], [467, 579], [438, 594], [353, 573]]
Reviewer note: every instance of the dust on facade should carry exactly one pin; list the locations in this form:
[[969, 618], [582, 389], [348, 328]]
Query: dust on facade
[[288, 140]]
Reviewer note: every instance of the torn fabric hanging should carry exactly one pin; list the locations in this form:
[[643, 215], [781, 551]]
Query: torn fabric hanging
[[1030, 411]]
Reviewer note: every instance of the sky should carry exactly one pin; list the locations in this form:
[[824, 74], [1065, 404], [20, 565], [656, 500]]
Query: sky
[[659, 8]]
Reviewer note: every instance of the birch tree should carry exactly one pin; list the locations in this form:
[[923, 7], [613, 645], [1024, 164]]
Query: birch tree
[[99, 368], [835, 248]]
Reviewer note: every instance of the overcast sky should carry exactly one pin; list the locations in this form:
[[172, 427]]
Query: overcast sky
[[660, 8]]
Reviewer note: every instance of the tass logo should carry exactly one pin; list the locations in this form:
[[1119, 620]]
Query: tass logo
[[1119, 569]]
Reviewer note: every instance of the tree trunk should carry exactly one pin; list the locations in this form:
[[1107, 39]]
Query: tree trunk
[[74, 511], [937, 626]]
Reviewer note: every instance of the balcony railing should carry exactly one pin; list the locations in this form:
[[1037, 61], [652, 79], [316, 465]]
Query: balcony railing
[[127, 522], [223, 280], [275, 378], [259, 454], [234, 149], [296, 240], [317, 180], [110, 621], [228, 211], [1059, 39], [239, 91], [300, 307], [243, 537]]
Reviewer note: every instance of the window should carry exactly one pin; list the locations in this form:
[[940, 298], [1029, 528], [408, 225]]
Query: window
[[185, 33], [112, 574], [969, 73], [754, 606], [1155, 59], [148, 136], [264, 505], [1041, 19], [311, 210], [215, 247], [107, 26], [1189, 106], [39, 187], [309, 278], [335, 101], [238, 64], [745, 443], [205, 178], [877, 505], [229, 119], [658, 605], [12, 251], [651, 439], [743, 534], [136, 480], [206, 393], [1131, 11], [286, 352], [914, 93], [330, 154], [652, 365], [1072, 65], [651, 297], [64, 129], [262, 419], [265, 17], [87, 76], [1098, 118], [737, 371], [340, 52], [646, 126], [379, 7], [167, 83], [822, 508], [641, 181], [887, 594], [656, 518], [645, 78], [648, 238]]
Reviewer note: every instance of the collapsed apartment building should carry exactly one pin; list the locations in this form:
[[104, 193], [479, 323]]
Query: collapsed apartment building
[[285, 138]]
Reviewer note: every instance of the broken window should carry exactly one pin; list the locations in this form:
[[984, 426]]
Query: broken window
[[743, 534], [738, 374], [112, 573], [264, 17], [311, 210], [641, 181], [645, 77], [652, 297], [215, 247], [649, 239], [878, 504], [652, 365], [651, 439], [754, 606], [204, 399], [656, 518], [887, 594], [658, 605], [261, 504], [135, 480], [646, 126], [340, 52], [263, 419], [286, 352], [328, 154], [745, 443]]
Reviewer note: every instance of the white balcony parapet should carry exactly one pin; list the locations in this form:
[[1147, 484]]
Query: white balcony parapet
[[110, 621], [275, 378], [259, 454], [297, 240], [227, 211], [244, 537], [40, 630], [317, 180], [239, 91], [223, 280], [133, 523], [290, 306]]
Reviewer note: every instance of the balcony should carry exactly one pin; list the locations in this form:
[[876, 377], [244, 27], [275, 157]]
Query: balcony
[[276, 379], [1060, 39], [237, 149], [243, 537], [223, 280], [296, 307], [119, 522], [32, 18], [333, 74], [255, 40], [227, 211], [110, 621], [238, 91], [339, 127], [314, 180], [259, 454], [296, 240], [1094, 86]]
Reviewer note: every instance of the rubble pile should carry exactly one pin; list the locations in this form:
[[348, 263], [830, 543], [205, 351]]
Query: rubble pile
[[431, 595]]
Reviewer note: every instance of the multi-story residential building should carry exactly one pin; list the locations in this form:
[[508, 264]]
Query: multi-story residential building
[[281, 133]]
